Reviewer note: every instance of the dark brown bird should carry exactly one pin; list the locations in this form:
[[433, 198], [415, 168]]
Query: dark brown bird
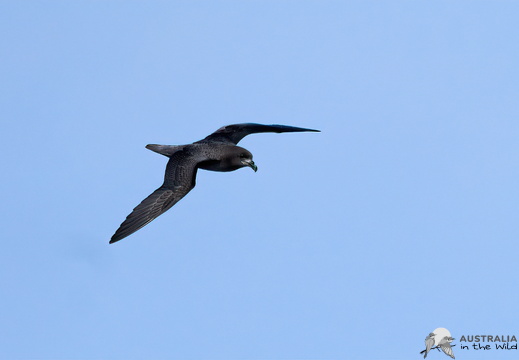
[[217, 152]]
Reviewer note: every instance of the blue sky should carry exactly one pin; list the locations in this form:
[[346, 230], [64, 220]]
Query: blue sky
[[400, 217]]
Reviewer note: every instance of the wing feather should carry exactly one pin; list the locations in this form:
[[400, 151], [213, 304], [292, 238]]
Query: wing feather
[[179, 180], [429, 342], [234, 133], [447, 349]]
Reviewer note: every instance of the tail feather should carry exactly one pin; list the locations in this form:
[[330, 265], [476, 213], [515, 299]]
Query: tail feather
[[166, 150]]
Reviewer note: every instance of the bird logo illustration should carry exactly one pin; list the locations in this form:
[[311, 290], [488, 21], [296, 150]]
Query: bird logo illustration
[[439, 339]]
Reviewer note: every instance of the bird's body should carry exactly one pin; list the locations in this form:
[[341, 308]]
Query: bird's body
[[429, 343], [217, 152]]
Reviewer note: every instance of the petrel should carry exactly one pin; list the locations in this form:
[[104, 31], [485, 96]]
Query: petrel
[[217, 152]]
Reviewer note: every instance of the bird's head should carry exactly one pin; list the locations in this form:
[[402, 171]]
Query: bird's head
[[245, 158], [233, 158], [447, 339]]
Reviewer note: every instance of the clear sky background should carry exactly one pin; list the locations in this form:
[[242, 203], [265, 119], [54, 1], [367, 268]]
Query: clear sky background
[[354, 243]]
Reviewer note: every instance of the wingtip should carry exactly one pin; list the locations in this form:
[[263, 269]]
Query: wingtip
[[112, 240], [305, 129], [310, 130], [289, 128]]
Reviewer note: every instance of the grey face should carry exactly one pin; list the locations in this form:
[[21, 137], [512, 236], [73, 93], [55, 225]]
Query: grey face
[[245, 158]]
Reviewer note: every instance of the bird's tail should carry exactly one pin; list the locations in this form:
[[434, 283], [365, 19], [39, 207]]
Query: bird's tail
[[166, 150]]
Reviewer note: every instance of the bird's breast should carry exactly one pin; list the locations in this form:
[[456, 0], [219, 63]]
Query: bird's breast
[[218, 165]]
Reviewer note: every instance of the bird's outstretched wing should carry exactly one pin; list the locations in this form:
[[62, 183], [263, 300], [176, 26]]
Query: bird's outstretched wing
[[447, 349], [178, 181], [234, 133]]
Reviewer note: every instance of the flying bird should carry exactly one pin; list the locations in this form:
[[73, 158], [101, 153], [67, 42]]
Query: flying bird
[[429, 343], [216, 152]]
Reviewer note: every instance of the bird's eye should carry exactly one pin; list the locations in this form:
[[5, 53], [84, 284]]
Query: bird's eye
[[242, 156]]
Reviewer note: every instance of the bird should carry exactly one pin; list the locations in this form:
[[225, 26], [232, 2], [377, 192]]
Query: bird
[[445, 345], [429, 343], [216, 152]]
